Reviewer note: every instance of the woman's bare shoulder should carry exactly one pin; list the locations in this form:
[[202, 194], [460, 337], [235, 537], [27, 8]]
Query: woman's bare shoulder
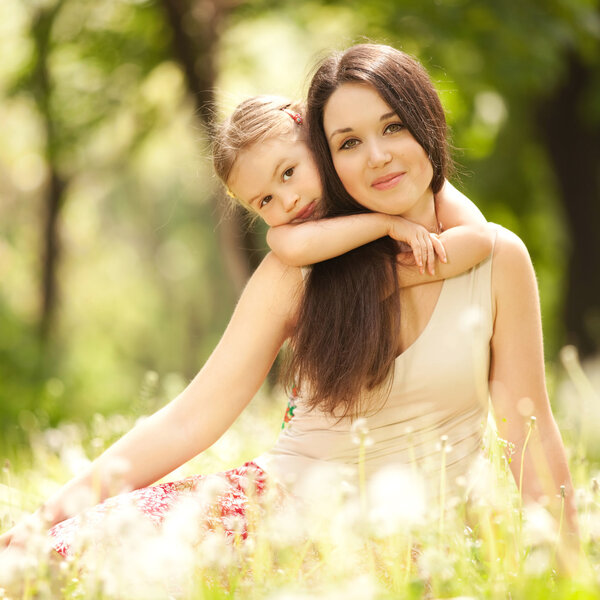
[[273, 269], [278, 285], [512, 270]]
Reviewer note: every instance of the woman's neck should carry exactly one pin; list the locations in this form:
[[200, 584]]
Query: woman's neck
[[424, 213]]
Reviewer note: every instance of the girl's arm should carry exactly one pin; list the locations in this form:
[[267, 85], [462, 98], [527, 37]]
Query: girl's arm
[[196, 418], [465, 243], [455, 209], [467, 238], [518, 390], [310, 242], [465, 247]]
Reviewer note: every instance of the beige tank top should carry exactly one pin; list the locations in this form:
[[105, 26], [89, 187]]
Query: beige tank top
[[434, 415]]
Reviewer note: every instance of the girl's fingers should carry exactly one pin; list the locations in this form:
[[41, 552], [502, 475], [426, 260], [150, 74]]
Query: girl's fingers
[[430, 256], [438, 247], [418, 252]]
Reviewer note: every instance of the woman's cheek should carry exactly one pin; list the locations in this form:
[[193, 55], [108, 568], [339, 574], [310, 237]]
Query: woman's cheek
[[344, 171]]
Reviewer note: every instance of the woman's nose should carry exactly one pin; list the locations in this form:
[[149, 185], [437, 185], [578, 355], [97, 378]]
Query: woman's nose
[[378, 156]]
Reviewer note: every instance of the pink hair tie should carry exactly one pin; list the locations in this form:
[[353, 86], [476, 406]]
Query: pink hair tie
[[296, 116]]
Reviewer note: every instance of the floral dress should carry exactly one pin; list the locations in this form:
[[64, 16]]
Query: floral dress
[[221, 500]]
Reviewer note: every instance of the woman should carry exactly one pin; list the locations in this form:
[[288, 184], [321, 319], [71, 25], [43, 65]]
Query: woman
[[391, 156]]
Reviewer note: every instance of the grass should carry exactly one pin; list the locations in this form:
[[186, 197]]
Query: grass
[[377, 543]]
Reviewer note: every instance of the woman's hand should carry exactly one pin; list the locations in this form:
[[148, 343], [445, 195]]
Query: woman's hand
[[424, 244], [19, 535]]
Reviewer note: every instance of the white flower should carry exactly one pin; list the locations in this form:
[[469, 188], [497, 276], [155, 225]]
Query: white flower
[[397, 500], [539, 526], [434, 563]]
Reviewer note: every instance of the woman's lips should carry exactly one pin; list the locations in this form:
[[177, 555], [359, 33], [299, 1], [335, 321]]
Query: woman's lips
[[305, 213], [387, 181]]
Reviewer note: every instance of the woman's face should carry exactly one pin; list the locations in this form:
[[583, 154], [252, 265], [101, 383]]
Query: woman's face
[[278, 179], [377, 159]]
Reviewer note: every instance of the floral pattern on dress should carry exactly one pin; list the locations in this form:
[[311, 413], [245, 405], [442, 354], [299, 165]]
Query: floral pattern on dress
[[223, 500]]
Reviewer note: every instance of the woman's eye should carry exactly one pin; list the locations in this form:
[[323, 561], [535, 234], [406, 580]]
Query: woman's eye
[[348, 144], [394, 128], [265, 201], [287, 174]]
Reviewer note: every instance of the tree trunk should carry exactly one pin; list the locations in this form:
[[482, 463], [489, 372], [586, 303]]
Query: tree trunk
[[53, 201], [573, 144], [196, 27]]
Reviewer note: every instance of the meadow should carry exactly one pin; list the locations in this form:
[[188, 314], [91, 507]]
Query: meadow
[[376, 542]]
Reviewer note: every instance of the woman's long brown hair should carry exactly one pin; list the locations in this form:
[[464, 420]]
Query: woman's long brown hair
[[346, 339]]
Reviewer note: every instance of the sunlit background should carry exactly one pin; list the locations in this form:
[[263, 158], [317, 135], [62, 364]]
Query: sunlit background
[[119, 265]]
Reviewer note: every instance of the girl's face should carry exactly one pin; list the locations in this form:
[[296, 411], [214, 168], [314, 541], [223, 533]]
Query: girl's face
[[377, 159], [278, 179]]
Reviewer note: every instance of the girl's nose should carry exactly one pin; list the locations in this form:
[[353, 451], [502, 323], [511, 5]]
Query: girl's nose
[[290, 200]]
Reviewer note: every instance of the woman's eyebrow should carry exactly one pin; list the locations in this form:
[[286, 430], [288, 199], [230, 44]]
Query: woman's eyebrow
[[388, 115], [343, 130]]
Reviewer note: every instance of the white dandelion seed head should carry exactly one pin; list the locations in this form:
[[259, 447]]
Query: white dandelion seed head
[[538, 561], [539, 526], [210, 488], [215, 551], [397, 500], [359, 430], [433, 563]]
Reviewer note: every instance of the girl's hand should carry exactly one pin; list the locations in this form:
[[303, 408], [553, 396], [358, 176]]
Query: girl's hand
[[424, 245]]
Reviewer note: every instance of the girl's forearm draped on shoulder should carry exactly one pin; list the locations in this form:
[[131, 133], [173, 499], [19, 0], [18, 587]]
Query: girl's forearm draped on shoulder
[[194, 420]]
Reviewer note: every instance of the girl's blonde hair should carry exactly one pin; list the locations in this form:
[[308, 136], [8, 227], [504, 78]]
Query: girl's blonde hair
[[254, 120]]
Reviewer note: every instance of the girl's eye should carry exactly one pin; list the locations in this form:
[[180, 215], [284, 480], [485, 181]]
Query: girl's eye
[[348, 144], [262, 203], [394, 128], [287, 174]]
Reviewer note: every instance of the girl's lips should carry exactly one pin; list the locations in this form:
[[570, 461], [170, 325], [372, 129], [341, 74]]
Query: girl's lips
[[387, 181], [305, 213]]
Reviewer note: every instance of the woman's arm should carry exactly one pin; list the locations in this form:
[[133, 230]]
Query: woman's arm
[[518, 388], [195, 419]]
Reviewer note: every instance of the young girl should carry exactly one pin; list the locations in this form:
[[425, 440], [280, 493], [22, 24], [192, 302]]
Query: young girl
[[271, 170]]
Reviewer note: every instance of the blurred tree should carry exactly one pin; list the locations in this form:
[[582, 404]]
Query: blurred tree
[[196, 27], [569, 124], [37, 79]]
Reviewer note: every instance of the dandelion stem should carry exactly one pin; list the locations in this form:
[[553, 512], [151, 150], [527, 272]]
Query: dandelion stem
[[560, 521], [444, 442], [362, 480], [521, 469]]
